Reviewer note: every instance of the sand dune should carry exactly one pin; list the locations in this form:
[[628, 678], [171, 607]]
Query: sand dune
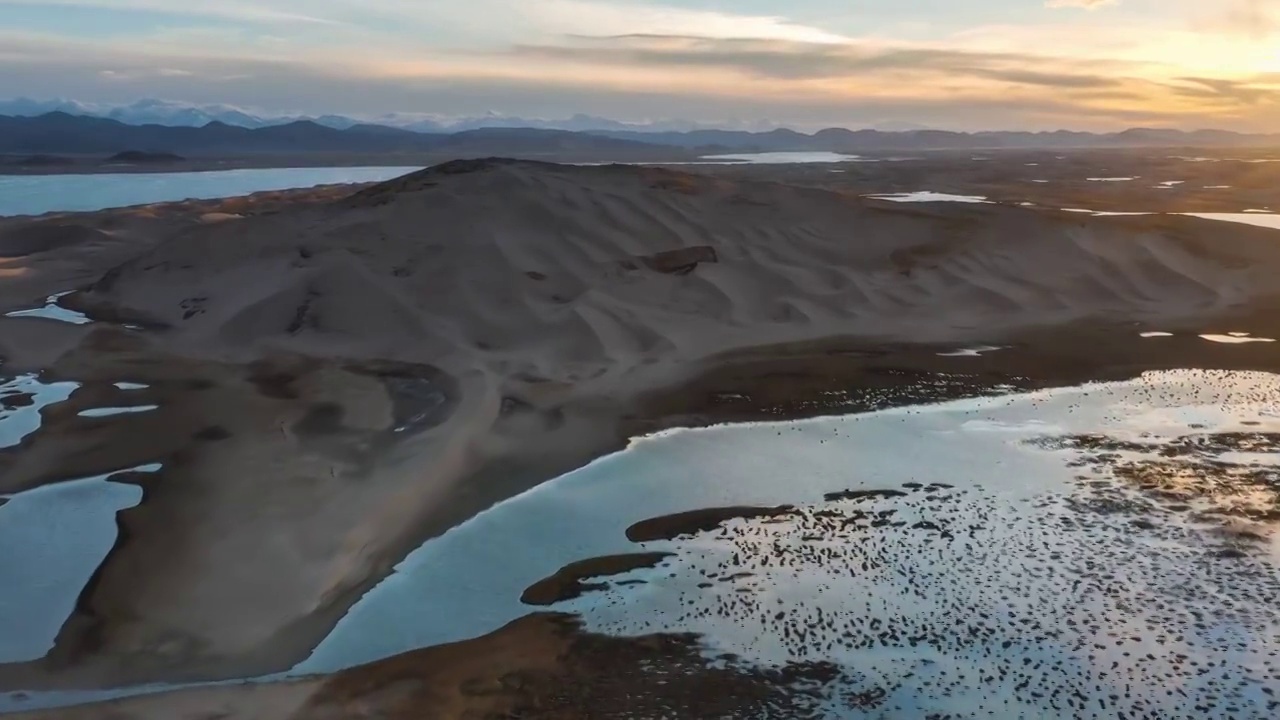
[[550, 270], [390, 362], [45, 237]]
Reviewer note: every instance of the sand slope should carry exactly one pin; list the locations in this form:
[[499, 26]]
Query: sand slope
[[550, 270], [541, 301]]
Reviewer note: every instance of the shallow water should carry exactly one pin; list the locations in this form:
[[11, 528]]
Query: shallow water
[[1235, 338], [51, 310], [21, 399], [1260, 219], [36, 194], [782, 158], [54, 538], [989, 573], [929, 196], [1104, 213], [111, 411], [970, 352]]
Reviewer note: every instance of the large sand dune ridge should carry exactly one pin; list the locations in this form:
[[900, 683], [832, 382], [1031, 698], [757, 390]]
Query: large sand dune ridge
[[567, 273]]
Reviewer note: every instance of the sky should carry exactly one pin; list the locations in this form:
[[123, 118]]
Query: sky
[[964, 65]]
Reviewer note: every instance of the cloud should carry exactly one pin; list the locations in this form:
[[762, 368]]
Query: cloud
[[808, 84], [1257, 19], [1246, 92], [800, 61], [306, 92], [632, 60], [475, 19], [1045, 79], [236, 10], [593, 17], [1080, 4]]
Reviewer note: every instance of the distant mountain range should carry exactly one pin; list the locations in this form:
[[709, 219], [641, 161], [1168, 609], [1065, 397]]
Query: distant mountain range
[[63, 133], [178, 114], [142, 112], [59, 133]]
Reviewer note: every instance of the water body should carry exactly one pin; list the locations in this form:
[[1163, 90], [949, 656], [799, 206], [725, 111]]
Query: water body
[[970, 352], [963, 557], [1248, 218], [955, 545], [36, 194], [54, 538], [1103, 213], [1235, 338], [111, 411], [21, 399], [929, 196], [1207, 159], [51, 310], [782, 158], [1259, 218]]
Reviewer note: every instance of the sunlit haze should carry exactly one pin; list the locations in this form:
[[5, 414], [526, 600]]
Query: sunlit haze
[[987, 64]]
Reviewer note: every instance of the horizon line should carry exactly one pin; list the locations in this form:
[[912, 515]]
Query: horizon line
[[636, 127]]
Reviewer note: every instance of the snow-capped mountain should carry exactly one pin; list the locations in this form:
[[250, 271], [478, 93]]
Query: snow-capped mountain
[[165, 112], [142, 112], [26, 107]]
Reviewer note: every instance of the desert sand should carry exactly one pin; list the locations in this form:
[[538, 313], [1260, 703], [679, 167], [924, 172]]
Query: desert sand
[[341, 376]]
